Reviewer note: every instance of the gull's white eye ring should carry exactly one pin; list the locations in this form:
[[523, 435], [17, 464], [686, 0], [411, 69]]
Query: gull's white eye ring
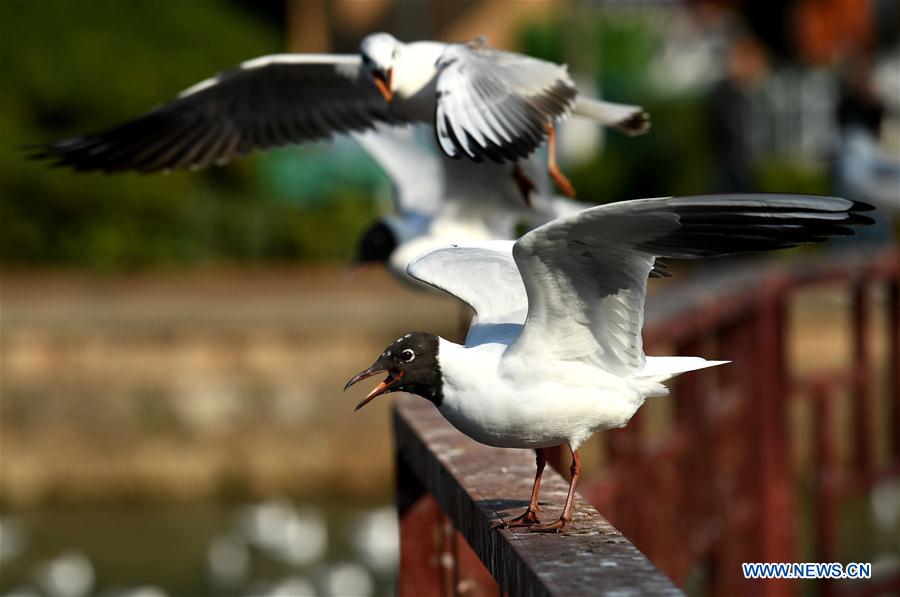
[[407, 355]]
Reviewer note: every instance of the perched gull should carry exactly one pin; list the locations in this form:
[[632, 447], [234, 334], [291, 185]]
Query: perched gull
[[554, 353], [482, 103], [439, 200]]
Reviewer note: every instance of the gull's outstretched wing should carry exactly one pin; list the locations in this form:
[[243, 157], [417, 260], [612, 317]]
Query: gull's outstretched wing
[[497, 104], [586, 275], [265, 102], [482, 275], [416, 172]]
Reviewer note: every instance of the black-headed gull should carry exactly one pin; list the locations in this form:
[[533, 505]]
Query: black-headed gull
[[439, 200], [482, 102], [554, 353]]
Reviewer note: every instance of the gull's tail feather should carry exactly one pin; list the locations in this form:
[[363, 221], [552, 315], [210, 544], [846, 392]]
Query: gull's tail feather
[[631, 120], [663, 368]]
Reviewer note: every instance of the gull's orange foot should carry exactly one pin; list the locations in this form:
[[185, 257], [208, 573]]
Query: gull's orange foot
[[526, 519], [557, 526]]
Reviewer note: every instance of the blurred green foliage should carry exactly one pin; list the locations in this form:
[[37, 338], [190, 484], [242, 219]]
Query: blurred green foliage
[[784, 175], [68, 67]]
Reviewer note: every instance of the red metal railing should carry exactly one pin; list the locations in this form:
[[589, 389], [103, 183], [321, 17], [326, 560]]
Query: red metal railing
[[717, 487]]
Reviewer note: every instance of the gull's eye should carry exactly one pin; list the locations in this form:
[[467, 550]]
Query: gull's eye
[[407, 355]]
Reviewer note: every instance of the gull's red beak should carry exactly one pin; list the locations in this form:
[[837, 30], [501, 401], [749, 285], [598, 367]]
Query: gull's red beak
[[383, 82], [379, 389]]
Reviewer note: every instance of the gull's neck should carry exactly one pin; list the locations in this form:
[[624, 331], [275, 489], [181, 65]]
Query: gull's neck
[[413, 80]]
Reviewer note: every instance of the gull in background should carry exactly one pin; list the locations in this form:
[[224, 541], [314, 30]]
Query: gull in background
[[554, 353], [482, 102], [439, 200]]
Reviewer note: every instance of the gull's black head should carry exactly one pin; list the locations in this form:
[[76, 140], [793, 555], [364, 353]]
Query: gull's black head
[[411, 364], [376, 245]]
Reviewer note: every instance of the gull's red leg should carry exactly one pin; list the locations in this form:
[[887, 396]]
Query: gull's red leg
[[558, 177], [563, 521], [525, 185], [529, 517]]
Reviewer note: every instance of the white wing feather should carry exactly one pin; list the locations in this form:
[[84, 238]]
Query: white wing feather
[[497, 104], [416, 173], [485, 277], [586, 275]]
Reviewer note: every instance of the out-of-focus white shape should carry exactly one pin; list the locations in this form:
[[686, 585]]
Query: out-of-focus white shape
[[293, 586], [885, 500], [12, 539], [140, 591], [692, 53], [348, 580], [227, 559], [305, 538], [866, 172], [263, 523], [376, 538], [297, 538], [886, 80], [69, 575]]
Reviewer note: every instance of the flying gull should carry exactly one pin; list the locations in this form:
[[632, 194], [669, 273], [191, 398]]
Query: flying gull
[[482, 102]]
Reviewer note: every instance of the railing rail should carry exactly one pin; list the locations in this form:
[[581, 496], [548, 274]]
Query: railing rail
[[473, 484]]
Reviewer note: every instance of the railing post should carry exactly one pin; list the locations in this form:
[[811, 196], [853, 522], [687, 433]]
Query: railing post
[[862, 399], [422, 548], [776, 508], [893, 365], [696, 491], [734, 469], [825, 493]]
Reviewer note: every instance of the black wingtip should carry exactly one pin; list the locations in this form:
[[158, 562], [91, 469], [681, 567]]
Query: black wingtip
[[855, 219], [35, 151], [862, 206]]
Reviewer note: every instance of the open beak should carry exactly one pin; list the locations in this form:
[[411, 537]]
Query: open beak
[[383, 82], [379, 389]]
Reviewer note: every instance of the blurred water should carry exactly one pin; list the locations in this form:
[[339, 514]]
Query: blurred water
[[276, 547]]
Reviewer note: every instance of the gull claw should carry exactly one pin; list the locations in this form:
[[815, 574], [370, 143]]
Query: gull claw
[[526, 519], [557, 526]]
